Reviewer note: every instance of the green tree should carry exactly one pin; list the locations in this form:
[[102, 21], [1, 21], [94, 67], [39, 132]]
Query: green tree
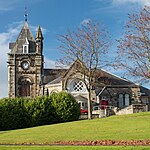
[[66, 107], [13, 114]]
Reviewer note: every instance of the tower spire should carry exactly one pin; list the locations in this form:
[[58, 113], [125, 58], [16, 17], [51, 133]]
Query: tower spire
[[26, 15], [39, 40]]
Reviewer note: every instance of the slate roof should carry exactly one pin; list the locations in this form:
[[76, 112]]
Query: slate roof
[[52, 74], [25, 33], [145, 91], [55, 81], [118, 82], [80, 97], [113, 80]]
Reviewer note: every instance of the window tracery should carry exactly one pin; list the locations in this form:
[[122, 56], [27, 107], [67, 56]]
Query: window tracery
[[77, 86]]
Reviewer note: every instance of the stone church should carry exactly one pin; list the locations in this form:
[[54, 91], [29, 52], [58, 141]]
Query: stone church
[[28, 77]]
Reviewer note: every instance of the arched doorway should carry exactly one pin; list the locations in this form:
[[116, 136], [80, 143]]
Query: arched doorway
[[25, 87]]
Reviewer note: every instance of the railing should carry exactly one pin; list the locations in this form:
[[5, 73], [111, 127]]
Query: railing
[[103, 107], [103, 110]]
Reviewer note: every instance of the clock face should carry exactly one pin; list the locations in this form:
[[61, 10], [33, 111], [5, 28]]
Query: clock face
[[25, 65]]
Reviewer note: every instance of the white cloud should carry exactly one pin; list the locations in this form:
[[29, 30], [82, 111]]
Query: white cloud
[[141, 2], [120, 5], [117, 10], [6, 37], [85, 21], [51, 64]]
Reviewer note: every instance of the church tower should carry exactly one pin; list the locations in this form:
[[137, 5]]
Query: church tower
[[25, 64]]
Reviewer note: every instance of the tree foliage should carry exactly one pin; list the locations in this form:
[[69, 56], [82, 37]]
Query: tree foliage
[[65, 106], [16, 113], [134, 46], [41, 110], [13, 114]]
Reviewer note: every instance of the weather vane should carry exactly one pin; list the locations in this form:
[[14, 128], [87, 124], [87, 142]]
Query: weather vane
[[26, 15]]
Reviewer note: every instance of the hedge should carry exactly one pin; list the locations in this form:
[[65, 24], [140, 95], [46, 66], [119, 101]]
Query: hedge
[[65, 106], [18, 113], [13, 114]]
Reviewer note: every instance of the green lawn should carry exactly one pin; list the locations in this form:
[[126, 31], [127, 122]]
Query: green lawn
[[74, 148], [127, 127]]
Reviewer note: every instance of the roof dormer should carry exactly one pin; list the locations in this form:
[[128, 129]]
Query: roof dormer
[[26, 46]]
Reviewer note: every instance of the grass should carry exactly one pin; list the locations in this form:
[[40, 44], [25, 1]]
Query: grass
[[74, 148], [126, 127]]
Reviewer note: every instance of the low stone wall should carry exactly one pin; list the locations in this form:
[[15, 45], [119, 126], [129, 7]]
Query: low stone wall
[[86, 116], [134, 108], [139, 108], [124, 111], [83, 116]]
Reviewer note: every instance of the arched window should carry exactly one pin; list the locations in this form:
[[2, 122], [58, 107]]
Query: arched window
[[120, 100], [77, 86], [25, 49], [26, 46], [124, 100], [127, 99]]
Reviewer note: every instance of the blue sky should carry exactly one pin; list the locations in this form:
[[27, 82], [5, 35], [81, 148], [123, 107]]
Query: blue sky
[[55, 17]]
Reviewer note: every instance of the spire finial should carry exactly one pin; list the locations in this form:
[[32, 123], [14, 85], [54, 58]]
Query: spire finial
[[26, 15], [39, 33]]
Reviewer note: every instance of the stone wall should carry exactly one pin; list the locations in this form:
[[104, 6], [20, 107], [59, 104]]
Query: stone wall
[[134, 108]]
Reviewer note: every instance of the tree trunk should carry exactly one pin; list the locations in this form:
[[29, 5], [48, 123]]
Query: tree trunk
[[89, 105]]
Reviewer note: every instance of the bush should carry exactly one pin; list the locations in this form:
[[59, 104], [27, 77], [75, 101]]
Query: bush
[[18, 113], [13, 114], [66, 107], [41, 110]]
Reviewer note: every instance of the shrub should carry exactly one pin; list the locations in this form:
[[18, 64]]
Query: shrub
[[41, 110], [66, 107], [18, 113], [13, 114]]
